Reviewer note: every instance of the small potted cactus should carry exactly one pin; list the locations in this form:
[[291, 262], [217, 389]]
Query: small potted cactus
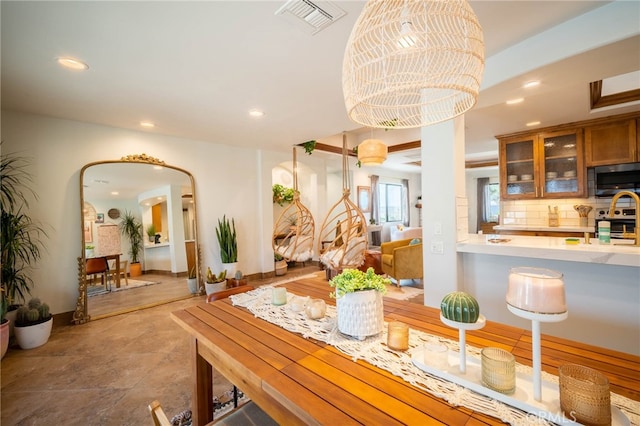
[[215, 282], [237, 280], [33, 324]]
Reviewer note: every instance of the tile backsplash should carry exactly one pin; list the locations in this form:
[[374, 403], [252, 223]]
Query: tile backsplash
[[536, 212]]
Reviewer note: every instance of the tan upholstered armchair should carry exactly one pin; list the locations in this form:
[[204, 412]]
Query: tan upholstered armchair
[[400, 260]]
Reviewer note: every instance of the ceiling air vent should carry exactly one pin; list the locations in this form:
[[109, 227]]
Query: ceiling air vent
[[311, 16]]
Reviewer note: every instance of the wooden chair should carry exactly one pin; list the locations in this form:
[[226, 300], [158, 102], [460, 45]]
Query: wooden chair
[[98, 267], [123, 270], [228, 292], [248, 414], [157, 414]]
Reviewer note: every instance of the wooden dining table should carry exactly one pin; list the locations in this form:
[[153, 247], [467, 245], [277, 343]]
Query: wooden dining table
[[302, 381]]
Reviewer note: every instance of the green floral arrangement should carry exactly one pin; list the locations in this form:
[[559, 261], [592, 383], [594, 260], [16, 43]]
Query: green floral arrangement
[[282, 195], [351, 280]]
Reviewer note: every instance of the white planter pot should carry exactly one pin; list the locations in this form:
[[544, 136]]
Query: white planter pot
[[32, 336], [215, 287], [281, 267], [4, 337], [360, 314], [88, 253], [231, 269], [192, 284]]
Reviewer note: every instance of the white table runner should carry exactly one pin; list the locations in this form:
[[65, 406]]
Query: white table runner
[[375, 351]]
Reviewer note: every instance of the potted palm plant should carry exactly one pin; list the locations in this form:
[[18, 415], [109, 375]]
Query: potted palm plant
[[357, 291], [131, 228], [228, 241], [151, 232], [21, 239]]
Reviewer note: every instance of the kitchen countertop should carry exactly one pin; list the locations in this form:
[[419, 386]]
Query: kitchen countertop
[[554, 248], [545, 228]]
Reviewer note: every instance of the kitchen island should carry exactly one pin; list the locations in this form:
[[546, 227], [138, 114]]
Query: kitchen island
[[602, 285]]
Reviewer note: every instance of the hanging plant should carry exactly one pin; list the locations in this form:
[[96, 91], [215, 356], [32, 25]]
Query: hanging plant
[[309, 146], [355, 151], [282, 195]]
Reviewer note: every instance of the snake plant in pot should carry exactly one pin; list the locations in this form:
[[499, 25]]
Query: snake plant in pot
[[228, 241]]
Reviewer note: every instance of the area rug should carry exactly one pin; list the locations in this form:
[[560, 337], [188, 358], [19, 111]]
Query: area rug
[[95, 290], [286, 280], [403, 292], [132, 284]]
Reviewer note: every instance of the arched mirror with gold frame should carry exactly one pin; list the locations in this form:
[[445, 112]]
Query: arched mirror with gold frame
[[153, 193]]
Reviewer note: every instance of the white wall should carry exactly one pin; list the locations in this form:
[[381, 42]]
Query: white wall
[[227, 182]]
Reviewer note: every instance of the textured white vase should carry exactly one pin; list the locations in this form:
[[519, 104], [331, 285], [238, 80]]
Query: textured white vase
[[360, 314]]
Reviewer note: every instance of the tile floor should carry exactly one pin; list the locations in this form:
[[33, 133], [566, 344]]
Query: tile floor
[[105, 372]]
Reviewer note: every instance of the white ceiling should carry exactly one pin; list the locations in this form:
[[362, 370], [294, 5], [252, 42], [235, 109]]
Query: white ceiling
[[197, 68]]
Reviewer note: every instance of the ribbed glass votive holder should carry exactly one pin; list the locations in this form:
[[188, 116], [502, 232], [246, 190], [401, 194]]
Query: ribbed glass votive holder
[[398, 336], [584, 395], [498, 370]]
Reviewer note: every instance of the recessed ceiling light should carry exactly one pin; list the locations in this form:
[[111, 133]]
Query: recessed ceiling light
[[115, 193], [147, 124], [533, 123], [515, 101], [256, 113], [73, 64], [532, 83]]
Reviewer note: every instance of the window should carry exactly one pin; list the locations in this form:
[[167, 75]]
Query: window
[[492, 202], [390, 202]]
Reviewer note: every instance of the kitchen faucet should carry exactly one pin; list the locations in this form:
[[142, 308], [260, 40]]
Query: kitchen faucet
[[614, 200]]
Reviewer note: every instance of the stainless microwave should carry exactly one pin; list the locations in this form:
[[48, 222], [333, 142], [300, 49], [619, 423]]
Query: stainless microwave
[[611, 179]]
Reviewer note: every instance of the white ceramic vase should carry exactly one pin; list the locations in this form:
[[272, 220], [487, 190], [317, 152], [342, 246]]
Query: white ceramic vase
[[32, 336], [215, 287], [360, 314]]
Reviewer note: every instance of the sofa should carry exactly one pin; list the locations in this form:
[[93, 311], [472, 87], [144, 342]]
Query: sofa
[[400, 232], [402, 259]]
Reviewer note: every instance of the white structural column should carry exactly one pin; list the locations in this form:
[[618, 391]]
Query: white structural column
[[442, 183]]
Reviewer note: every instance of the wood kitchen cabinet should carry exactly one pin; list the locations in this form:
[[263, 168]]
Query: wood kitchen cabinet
[[612, 143], [543, 165]]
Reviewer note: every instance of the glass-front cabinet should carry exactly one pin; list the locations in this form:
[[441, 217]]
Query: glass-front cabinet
[[544, 165]]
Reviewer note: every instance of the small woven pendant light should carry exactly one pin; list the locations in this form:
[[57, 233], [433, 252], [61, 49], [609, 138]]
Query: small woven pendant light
[[411, 63], [372, 152]]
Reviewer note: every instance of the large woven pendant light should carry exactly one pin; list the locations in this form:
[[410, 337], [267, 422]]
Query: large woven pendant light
[[411, 63]]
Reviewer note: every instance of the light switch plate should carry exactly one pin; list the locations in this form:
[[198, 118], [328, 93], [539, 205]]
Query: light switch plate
[[437, 247], [437, 228]]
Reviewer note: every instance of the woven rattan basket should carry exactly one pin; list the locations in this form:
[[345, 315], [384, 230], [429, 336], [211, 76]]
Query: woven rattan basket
[[585, 395]]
